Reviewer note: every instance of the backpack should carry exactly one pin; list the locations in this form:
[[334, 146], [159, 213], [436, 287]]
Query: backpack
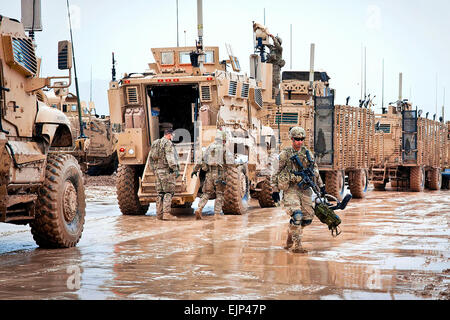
[[154, 150]]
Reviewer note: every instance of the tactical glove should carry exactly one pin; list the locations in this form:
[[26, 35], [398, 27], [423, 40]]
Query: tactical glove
[[276, 197], [177, 174], [194, 173]]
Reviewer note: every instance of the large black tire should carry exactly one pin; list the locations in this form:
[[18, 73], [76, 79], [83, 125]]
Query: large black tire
[[335, 184], [61, 204], [359, 183], [236, 191], [445, 183], [417, 179], [127, 185], [265, 195], [435, 179]]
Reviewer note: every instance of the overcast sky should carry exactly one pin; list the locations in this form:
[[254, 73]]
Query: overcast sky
[[413, 37]]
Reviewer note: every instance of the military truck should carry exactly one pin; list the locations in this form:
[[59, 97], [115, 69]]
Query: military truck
[[341, 136], [191, 91], [36, 187], [413, 151], [99, 156]]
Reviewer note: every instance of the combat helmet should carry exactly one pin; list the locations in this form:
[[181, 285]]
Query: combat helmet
[[297, 132]]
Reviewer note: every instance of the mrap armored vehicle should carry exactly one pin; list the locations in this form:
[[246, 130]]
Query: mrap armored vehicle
[[341, 136], [99, 156], [36, 187], [191, 91], [412, 151]]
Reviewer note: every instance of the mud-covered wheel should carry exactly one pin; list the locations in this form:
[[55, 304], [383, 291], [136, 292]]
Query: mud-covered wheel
[[359, 183], [265, 195], [61, 204], [417, 179], [127, 186], [435, 179], [335, 184], [236, 191]]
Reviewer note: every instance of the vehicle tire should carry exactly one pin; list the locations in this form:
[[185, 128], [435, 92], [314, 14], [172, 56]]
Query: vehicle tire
[[335, 184], [61, 204], [236, 191], [379, 186], [265, 195], [445, 183], [417, 179], [435, 179], [359, 183], [127, 185]]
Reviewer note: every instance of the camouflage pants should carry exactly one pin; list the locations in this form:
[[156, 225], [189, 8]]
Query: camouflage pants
[[211, 186], [163, 204], [296, 199], [165, 186]]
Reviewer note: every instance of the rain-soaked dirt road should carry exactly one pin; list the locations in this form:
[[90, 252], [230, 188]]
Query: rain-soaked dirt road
[[394, 245]]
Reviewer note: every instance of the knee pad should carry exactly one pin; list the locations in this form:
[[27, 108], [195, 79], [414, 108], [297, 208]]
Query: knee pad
[[306, 223], [296, 218]]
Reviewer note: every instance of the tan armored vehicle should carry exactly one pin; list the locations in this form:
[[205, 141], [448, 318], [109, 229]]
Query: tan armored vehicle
[[191, 91], [36, 187], [341, 136], [413, 149], [99, 156]]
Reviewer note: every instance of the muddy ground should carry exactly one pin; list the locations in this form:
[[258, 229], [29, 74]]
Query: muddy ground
[[394, 245]]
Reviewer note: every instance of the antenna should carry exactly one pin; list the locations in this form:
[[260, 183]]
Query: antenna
[[400, 86], [76, 78], [178, 42], [113, 70], [382, 88], [200, 23], [311, 68]]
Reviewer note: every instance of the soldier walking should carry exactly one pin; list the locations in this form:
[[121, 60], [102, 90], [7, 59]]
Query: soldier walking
[[213, 163], [297, 202], [166, 169]]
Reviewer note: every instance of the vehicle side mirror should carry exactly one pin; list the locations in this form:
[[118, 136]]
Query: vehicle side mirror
[[64, 55]]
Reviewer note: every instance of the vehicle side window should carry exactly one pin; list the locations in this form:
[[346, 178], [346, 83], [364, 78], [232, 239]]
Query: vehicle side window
[[167, 58]]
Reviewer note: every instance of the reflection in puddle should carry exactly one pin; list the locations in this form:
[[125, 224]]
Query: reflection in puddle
[[392, 246]]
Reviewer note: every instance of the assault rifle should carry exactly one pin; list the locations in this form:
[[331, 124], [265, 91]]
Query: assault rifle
[[323, 209]]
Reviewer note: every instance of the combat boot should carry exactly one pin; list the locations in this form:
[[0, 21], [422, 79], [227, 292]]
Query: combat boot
[[288, 242], [198, 214], [160, 216], [297, 248]]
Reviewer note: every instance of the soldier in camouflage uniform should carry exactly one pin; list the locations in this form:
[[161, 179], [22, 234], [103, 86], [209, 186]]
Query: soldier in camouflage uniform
[[166, 170], [276, 59], [297, 202], [213, 163]]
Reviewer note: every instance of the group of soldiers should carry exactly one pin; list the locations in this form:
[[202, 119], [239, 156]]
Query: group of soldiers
[[166, 170], [297, 202]]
